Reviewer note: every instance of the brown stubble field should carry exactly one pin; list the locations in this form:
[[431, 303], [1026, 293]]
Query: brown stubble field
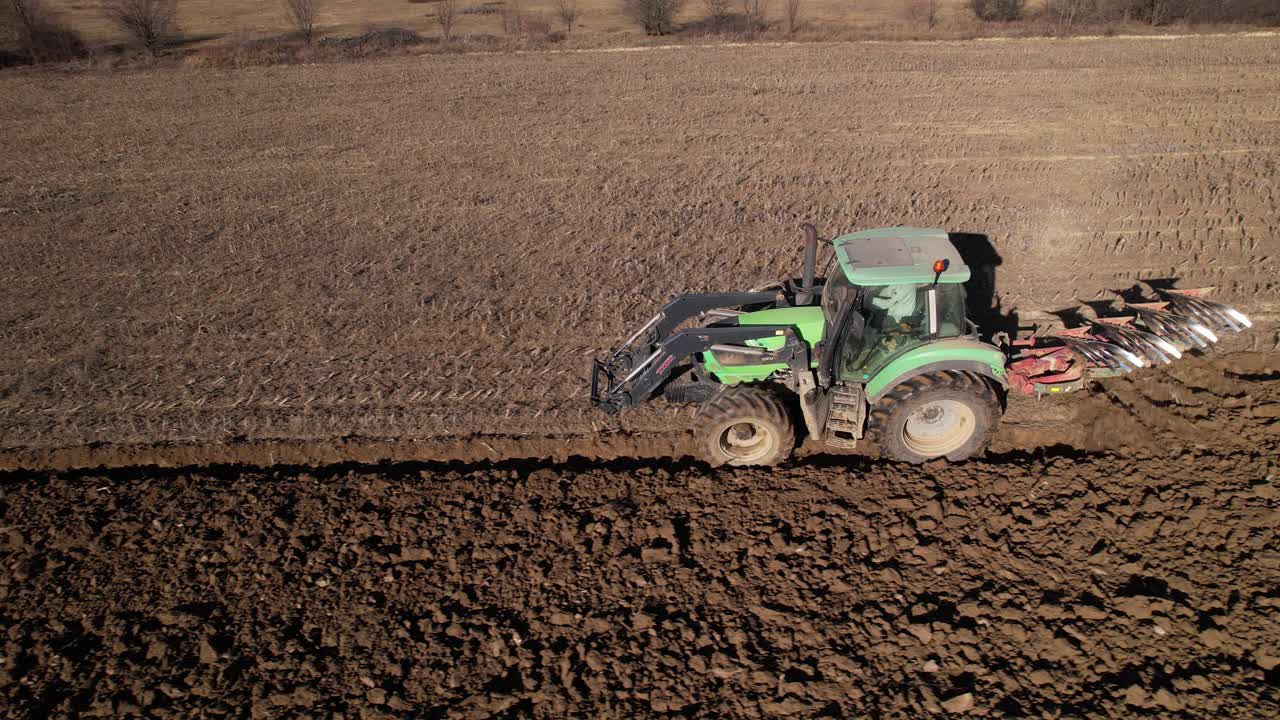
[[414, 259], [435, 247]]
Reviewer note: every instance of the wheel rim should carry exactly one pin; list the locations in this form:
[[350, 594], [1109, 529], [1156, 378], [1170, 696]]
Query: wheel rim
[[938, 427], [746, 441]]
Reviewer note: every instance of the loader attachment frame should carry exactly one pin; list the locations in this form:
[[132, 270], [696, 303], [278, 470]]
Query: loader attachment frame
[[633, 372]]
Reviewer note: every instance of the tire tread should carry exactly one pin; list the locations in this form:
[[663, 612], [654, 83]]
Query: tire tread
[[881, 416], [745, 401]]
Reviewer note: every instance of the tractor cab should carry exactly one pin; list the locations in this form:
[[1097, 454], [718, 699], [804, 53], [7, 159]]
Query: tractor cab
[[887, 292]]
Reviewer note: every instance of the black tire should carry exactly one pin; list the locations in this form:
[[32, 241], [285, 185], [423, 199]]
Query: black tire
[[967, 398], [693, 393], [683, 388], [744, 425]]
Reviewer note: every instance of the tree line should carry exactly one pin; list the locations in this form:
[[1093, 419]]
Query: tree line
[[43, 35]]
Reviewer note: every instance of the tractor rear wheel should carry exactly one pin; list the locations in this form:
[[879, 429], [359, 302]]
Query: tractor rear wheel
[[949, 414], [745, 425]]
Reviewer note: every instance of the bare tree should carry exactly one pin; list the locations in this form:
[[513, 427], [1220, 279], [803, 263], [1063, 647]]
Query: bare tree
[[20, 21], [792, 9], [512, 17], [150, 23], [567, 11], [719, 13], [39, 32], [998, 10], [302, 15], [922, 12], [446, 13], [657, 17], [1161, 11], [753, 15], [1069, 12]]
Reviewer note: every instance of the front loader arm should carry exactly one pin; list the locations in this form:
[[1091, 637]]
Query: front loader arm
[[687, 306], [627, 380], [645, 341]]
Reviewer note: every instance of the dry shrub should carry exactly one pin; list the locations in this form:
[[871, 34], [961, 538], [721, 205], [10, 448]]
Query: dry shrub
[[302, 15], [1162, 12], [489, 8], [289, 49], [922, 12], [1246, 11], [754, 16], [512, 17], [446, 13], [486, 42], [998, 10], [567, 11], [536, 26], [1155, 12], [374, 42], [40, 33], [792, 9], [657, 17], [1166, 11], [719, 13], [244, 50], [151, 23], [1069, 12]]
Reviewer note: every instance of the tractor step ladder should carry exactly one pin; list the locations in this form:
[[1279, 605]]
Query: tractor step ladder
[[848, 413]]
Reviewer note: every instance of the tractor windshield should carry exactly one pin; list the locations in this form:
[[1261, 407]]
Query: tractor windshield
[[835, 293], [896, 320]]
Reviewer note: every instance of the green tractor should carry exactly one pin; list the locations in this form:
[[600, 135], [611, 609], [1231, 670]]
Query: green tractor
[[880, 349]]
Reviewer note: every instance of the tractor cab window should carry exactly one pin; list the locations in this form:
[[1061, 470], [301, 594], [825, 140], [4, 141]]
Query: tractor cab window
[[952, 321], [898, 318], [835, 293]]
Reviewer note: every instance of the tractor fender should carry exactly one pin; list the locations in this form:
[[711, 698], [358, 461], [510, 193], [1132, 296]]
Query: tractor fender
[[956, 354]]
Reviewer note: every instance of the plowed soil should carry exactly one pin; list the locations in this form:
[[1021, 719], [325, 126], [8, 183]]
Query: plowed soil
[[324, 269], [1060, 582], [1049, 584], [432, 249]]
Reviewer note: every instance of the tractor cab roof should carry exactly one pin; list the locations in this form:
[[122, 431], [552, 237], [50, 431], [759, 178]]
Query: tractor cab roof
[[898, 256]]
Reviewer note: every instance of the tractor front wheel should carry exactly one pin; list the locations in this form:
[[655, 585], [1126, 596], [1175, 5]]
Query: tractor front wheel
[[947, 414], [745, 425]]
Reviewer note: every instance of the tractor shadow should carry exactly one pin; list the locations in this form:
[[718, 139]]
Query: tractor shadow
[[1087, 310], [983, 304]]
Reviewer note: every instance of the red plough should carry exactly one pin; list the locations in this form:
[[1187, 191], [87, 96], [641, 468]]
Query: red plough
[[1156, 334]]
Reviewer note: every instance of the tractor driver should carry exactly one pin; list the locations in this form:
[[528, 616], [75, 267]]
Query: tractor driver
[[896, 306], [893, 317]]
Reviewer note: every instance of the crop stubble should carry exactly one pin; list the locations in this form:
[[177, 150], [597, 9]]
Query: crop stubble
[[308, 252], [434, 248]]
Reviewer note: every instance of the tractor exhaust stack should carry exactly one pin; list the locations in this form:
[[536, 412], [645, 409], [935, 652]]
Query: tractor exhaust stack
[[804, 294]]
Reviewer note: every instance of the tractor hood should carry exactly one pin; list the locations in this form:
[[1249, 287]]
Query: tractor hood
[[808, 320]]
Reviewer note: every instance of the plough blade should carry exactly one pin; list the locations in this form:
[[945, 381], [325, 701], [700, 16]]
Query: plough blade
[[1179, 329], [1104, 354], [1213, 315], [1148, 346]]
